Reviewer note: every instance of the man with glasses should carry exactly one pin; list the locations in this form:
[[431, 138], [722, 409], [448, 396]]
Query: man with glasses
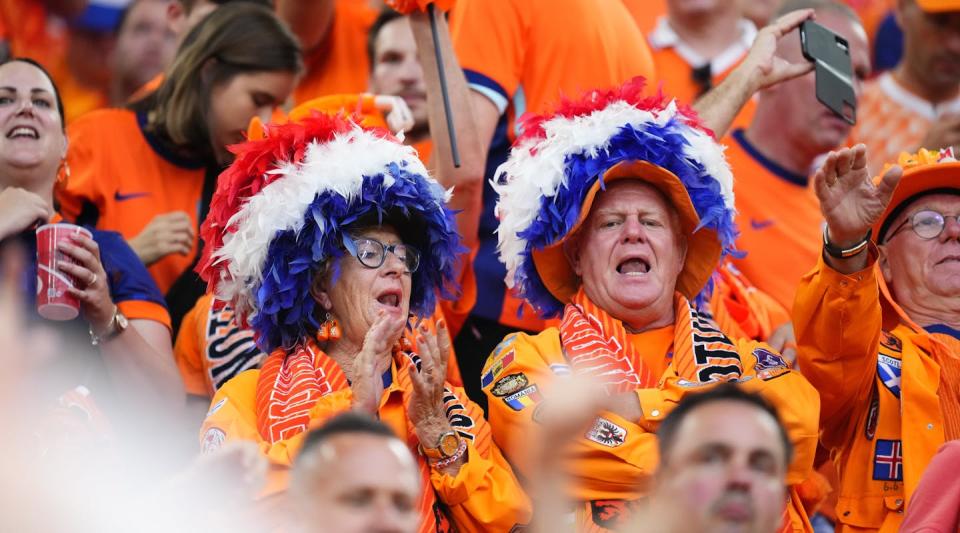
[[878, 327]]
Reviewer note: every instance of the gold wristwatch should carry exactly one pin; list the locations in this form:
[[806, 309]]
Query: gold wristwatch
[[118, 324], [447, 446]]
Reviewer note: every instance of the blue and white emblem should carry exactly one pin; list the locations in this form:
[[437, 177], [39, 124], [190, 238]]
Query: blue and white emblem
[[888, 369]]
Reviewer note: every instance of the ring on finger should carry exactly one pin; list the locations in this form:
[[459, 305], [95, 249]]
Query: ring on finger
[[92, 280]]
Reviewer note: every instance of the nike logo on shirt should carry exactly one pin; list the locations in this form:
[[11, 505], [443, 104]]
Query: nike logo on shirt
[[760, 224], [122, 197]]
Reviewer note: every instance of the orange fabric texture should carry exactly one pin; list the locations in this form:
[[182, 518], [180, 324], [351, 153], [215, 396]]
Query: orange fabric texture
[[211, 348], [483, 496], [339, 64], [741, 309], [881, 418], [891, 119], [646, 12], [618, 462], [779, 221], [509, 50], [119, 174]]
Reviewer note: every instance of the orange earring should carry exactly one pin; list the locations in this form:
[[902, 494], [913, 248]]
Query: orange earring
[[329, 330], [63, 174]]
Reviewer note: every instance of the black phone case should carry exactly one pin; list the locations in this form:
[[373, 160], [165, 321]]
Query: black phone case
[[833, 69]]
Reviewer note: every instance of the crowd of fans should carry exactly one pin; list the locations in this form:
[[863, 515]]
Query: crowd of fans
[[478, 265]]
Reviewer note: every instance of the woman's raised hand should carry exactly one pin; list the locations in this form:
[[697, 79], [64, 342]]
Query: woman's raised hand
[[20, 209], [374, 360], [426, 410]]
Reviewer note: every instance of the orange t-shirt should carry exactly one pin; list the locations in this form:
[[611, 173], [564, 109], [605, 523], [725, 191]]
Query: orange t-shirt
[[779, 221], [891, 119], [524, 55], [121, 178], [339, 64]]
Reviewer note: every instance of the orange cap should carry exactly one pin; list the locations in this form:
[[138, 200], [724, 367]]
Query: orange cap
[[924, 172]]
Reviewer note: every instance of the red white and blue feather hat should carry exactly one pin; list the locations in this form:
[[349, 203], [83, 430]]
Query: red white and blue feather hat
[[281, 209], [555, 169]]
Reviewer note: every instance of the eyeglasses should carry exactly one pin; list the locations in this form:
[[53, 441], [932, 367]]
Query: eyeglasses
[[372, 253], [927, 224]]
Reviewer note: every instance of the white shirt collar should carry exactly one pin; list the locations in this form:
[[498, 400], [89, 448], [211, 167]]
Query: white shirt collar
[[664, 36]]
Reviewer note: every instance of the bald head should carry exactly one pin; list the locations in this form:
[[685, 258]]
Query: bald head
[[355, 478]]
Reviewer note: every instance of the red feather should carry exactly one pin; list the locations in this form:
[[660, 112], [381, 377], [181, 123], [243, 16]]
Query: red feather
[[248, 174], [631, 92]]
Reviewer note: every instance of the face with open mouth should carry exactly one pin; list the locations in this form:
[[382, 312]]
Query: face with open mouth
[[629, 253], [357, 294], [925, 270], [31, 134]]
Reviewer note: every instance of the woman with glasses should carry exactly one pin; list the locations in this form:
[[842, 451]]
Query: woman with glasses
[[332, 243], [882, 345]]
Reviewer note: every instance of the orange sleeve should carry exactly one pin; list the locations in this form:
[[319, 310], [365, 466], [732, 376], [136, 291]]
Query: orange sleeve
[[484, 495], [488, 38], [188, 349], [144, 310], [87, 183], [837, 320], [456, 311]]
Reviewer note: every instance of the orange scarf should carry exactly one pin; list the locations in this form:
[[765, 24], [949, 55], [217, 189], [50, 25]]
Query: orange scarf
[[289, 386], [598, 345]]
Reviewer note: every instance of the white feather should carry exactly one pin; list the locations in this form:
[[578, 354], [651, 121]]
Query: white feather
[[536, 169], [338, 166]]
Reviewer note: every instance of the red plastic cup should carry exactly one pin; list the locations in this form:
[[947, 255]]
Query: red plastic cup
[[53, 300]]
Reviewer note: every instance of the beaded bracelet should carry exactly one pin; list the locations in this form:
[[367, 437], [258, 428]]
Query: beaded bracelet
[[443, 463]]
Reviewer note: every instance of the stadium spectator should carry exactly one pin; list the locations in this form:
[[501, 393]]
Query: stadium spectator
[[149, 171], [621, 261], [510, 51], [777, 211], [724, 457], [336, 249], [353, 475], [118, 300], [145, 47], [917, 104], [878, 330], [696, 44]]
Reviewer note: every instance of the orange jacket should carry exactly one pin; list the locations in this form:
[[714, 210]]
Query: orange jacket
[[484, 495], [605, 476], [881, 418]]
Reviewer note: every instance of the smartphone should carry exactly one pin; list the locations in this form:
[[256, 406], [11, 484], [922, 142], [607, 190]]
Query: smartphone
[[833, 69]]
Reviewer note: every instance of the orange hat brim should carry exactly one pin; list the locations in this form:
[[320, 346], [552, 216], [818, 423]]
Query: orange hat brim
[[703, 245]]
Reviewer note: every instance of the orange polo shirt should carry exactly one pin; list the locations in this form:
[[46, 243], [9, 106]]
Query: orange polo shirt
[[339, 64], [122, 177], [524, 55], [779, 221]]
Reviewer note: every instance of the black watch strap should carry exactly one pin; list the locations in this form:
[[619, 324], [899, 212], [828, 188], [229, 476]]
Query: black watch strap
[[844, 253]]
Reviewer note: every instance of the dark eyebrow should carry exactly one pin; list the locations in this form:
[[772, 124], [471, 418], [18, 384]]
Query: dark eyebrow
[[33, 91]]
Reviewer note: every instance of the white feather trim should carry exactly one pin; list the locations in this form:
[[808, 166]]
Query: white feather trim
[[338, 166], [543, 172]]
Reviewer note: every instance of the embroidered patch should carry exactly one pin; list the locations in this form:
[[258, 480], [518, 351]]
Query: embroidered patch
[[888, 370], [212, 440], [607, 433], [216, 407], [509, 384], [767, 360], [888, 460], [496, 368], [612, 514], [560, 369], [889, 341], [525, 398]]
